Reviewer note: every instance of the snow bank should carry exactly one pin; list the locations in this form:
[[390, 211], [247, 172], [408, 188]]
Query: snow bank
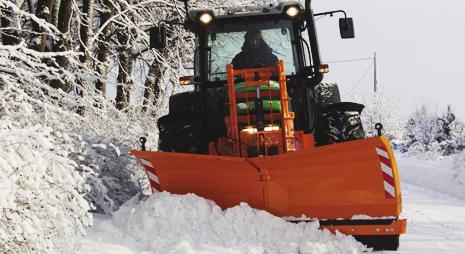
[[41, 192], [458, 172], [61, 155], [166, 223], [445, 174]]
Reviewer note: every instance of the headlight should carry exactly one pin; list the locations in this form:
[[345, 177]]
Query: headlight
[[206, 18], [292, 11], [324, 68], [249, 130], [272, 128]]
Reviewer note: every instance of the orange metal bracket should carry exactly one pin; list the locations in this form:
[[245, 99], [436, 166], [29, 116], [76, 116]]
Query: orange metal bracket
[[264, 75]]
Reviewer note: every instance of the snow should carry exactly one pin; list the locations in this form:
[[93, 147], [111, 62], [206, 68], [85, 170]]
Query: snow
[[436, 222], [116, 149], [434, 203], [41, 197], [101, 146], [445, 174], [367, 217], [167, 223], [51, 177]]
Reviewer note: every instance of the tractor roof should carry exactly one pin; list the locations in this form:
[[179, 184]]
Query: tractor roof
[[246, 11]]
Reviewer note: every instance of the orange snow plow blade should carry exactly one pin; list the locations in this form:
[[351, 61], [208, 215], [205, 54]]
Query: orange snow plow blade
[[330, 182], [226, 180]]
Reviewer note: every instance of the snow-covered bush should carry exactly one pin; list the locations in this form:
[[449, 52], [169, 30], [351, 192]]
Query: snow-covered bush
[[61, 155], [427, 131], [108, 141], [385, 109], [41, 190]]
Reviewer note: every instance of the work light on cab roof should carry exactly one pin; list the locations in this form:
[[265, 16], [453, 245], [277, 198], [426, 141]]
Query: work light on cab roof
[[205, 17], [292, 11]]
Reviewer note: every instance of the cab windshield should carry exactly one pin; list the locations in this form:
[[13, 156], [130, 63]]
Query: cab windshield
[[250, 46]]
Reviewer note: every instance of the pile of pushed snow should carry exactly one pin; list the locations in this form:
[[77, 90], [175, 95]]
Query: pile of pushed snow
[[42, 203], [166, 223]]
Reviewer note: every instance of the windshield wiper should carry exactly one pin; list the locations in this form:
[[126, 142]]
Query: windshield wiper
[[278, 53]]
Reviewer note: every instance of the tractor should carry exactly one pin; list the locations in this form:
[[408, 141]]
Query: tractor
[[260, 126]]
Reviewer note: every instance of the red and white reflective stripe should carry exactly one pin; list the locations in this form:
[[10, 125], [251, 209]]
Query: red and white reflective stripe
[[152, 174], [146, 163], [388, 174]]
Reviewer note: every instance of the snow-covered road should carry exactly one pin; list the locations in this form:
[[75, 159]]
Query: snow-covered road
[[436, 221]]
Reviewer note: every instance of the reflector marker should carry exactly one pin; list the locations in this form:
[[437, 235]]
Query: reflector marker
[[389, 189], [155, 186], [152, 175], [387, 169], [146, 163], [387, 172], [382, 153]]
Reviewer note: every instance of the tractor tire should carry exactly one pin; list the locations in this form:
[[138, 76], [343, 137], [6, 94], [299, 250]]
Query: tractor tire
[[182, 134], [379, 242], [340, 122], [327, 94]]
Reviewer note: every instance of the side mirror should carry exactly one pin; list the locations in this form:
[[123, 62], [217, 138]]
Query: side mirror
[[158, 37], [346, 27]]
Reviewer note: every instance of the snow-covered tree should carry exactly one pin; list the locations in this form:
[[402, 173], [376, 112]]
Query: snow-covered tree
[[382, 108], [429, 131], [56, 166]]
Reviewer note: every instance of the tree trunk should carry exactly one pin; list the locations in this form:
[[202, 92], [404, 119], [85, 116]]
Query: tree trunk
[[103, 46], [85, 31], [43, 11], [63, 24], [152, 85], [56, 12], [124, 85]]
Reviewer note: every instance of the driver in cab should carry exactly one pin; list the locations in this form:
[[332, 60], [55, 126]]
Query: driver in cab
[[255, 53]]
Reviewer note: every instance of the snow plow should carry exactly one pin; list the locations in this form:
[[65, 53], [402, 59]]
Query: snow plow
[[260, 127]]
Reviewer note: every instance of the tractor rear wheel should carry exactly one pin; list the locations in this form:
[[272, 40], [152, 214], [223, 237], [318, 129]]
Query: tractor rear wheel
[[379, 242], [327, 94], [340, 122]]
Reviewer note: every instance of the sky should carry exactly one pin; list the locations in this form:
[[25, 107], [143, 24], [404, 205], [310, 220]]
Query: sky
[[420, 46]]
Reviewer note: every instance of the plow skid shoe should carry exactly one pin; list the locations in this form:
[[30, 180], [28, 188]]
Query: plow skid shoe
[[332, 182]]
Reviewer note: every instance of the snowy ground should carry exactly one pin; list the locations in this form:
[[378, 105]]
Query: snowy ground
[[436, 224], [436, 220]]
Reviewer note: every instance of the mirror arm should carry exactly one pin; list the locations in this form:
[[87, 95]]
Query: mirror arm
[[331, 13]]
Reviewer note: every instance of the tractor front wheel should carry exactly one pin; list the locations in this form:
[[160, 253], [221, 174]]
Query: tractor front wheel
[[379, 242]]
